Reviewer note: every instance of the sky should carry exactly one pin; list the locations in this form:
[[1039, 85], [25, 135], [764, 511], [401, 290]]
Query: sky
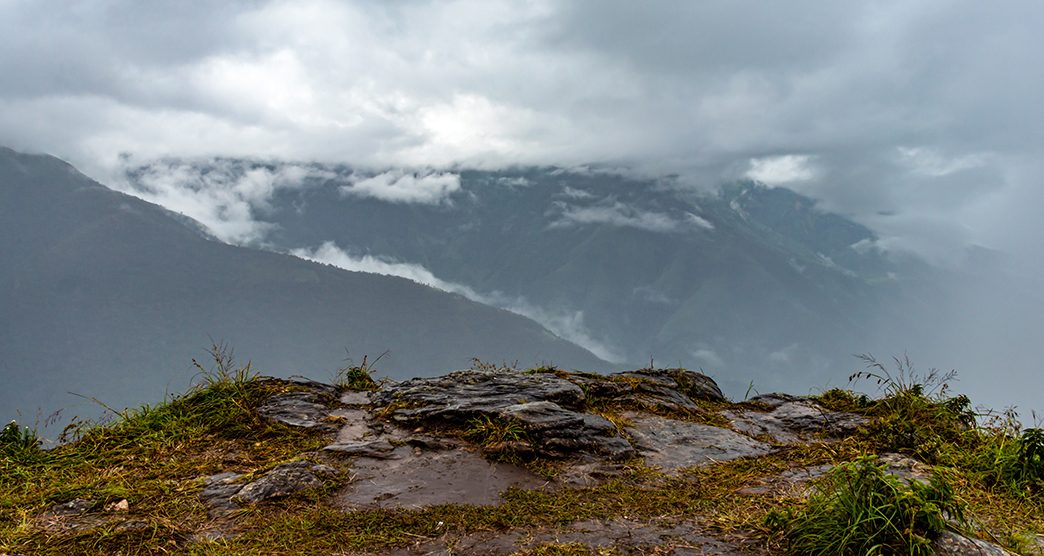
[[922, 120]]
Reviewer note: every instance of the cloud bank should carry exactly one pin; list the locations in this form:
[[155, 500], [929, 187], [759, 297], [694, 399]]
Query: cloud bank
[[927, 112]]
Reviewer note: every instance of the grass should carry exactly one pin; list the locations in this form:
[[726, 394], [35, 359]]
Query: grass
[[359, 377], [154, 457], [859, 508]]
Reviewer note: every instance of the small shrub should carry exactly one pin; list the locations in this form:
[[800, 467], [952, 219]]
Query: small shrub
[[501, 439], [359, 377], [480, 365], [486, 430], [19, 443], [1031, 454], [915, 415], [838, 399], [858, 508]]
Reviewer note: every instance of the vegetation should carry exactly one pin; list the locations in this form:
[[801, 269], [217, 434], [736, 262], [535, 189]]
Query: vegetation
[[151, 457], [359, 377], [987, 480], [861, 509]]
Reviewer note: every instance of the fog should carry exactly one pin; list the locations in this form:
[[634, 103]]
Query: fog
[[920, 120]]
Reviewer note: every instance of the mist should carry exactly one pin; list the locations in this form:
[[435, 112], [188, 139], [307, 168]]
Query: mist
[[920, 121]]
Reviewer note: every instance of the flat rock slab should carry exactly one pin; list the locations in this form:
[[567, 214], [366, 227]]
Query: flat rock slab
[[465, 394], [297, 409], [620, 535], [793, 421], [355, 425], [378, 449], [953, 544], [672, 444], [355, 398], [283, 480], [416, 478]]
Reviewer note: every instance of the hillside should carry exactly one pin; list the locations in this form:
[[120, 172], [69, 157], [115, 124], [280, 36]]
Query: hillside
[[106, 296], [495, 460], [748, 282]]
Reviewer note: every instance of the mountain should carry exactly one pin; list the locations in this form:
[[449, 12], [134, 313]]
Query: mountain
[[107, 296], [746, 282]]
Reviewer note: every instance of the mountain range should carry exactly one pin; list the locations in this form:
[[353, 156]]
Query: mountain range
[[110, 297], [745, 281]]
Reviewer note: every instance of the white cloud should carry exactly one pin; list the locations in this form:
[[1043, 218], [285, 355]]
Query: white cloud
[[930, 162], [780, 170], [574, 193], [397, 186], [699, 221], [329, 253], [615, 214], [564, 323], [224, 198]]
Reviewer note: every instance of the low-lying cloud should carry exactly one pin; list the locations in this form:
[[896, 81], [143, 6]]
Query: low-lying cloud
[[615, 213], [223, 195], [566, 324], [397, 186]]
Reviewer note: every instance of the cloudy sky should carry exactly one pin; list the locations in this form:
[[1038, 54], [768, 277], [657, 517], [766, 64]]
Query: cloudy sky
[[921, 119]]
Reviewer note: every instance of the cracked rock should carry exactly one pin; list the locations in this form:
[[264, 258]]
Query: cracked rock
[[284, 480]]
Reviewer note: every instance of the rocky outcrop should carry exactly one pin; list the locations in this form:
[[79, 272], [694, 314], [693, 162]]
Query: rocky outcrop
[[791, 419], [671, 444], [464, 438]]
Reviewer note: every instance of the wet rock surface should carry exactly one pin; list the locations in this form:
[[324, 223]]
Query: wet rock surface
[[620, 535], [671, 444], [791, 420], [548, 409], [226, 492], [953, 544], [411, 445], [297, 409], [76, 506], [284, 480], [414, 479]]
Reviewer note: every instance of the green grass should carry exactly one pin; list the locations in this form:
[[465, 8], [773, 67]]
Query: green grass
[[858, 508], [154, 457], [359, 377]]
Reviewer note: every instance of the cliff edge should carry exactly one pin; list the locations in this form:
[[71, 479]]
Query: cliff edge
[[494, 460]]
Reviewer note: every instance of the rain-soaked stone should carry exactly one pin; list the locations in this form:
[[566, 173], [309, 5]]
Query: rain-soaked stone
[[673, 444], [218, 491], [694, 385], [76, 506], [954, 544], [621, 535], [792, 421], [380, 448], [421, 478], [549, 409], [297, 409], [284, 480]]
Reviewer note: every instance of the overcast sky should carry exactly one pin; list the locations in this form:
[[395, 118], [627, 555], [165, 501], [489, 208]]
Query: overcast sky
[[928, 112]]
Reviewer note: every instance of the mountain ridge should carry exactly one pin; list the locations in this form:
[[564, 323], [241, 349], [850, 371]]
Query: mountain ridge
[[101, 291]]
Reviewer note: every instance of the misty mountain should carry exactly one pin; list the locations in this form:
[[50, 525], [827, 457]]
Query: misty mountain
[[747, 282], [108, 296]]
